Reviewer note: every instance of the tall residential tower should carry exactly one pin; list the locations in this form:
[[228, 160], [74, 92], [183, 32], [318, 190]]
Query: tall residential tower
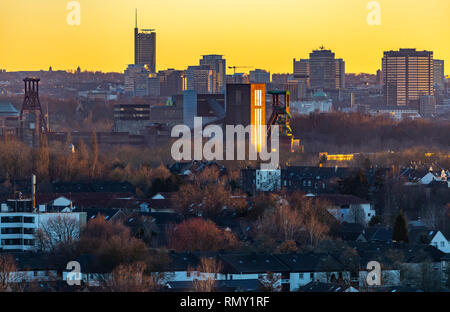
[[407, 75]]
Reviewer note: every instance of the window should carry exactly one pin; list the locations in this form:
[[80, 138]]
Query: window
[[28, 231], [300, 275], [188, 274], [16, 219], [442, 244], [28, 219], [311, 275]]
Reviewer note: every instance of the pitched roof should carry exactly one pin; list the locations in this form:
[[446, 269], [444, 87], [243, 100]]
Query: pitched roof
[[252, 263], [378, 233], [342, 199], [7, 109], [310, 262], [323, 287]]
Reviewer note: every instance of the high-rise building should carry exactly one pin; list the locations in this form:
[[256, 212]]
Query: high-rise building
[[301, 71], [145, 48], [136, 81], [326, 72], [340, 74], [201, 79], [218, 64], [407, 75], [438, 73], [259, 76]]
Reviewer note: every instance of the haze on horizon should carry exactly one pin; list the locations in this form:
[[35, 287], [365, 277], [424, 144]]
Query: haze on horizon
[[262, 34]]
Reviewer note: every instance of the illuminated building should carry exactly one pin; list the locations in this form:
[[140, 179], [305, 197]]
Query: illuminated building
[[218, 64], [407, 75], [258, 116], [145, 48]]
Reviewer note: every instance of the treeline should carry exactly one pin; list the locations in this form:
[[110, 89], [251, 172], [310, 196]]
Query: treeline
[[355, 132], [143, 167]]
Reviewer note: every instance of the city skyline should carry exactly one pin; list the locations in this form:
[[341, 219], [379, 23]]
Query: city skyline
[[243, 33]]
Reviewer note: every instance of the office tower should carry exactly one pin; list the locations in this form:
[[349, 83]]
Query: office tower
[[438, 73], [340, 74], [325, 71], [427, 107], [259, 76], [201, 79], [171, 82], [407, 74], [218, 64], [301, 71], [136, 81], [145, 48]]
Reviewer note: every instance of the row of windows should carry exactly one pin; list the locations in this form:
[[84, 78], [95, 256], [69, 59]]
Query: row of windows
[[17, 219], [18, 241], [17, 231]]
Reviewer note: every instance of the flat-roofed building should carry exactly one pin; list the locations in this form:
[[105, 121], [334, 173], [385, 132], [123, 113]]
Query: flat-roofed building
[[407, 75]]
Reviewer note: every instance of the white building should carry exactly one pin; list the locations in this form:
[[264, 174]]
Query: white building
[[319, 102], [19, 223], [349, 208], [268, 180]]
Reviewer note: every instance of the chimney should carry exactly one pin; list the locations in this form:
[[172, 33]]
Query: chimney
[[33, 191]]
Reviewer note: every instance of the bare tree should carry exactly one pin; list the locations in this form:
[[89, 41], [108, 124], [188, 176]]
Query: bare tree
[[271, 282], [132, 278], [58, 232], [10, 278], [313, 221], [207, 271]]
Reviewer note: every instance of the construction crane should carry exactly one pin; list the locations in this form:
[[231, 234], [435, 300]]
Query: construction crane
[[234, 68]]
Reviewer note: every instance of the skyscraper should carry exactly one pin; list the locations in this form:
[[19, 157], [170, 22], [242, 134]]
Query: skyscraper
[[218, 64], [145, 48], [439, 76], [407, 75], [326, 72]]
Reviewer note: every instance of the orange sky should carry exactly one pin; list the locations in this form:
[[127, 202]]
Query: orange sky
[[263, 34]]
